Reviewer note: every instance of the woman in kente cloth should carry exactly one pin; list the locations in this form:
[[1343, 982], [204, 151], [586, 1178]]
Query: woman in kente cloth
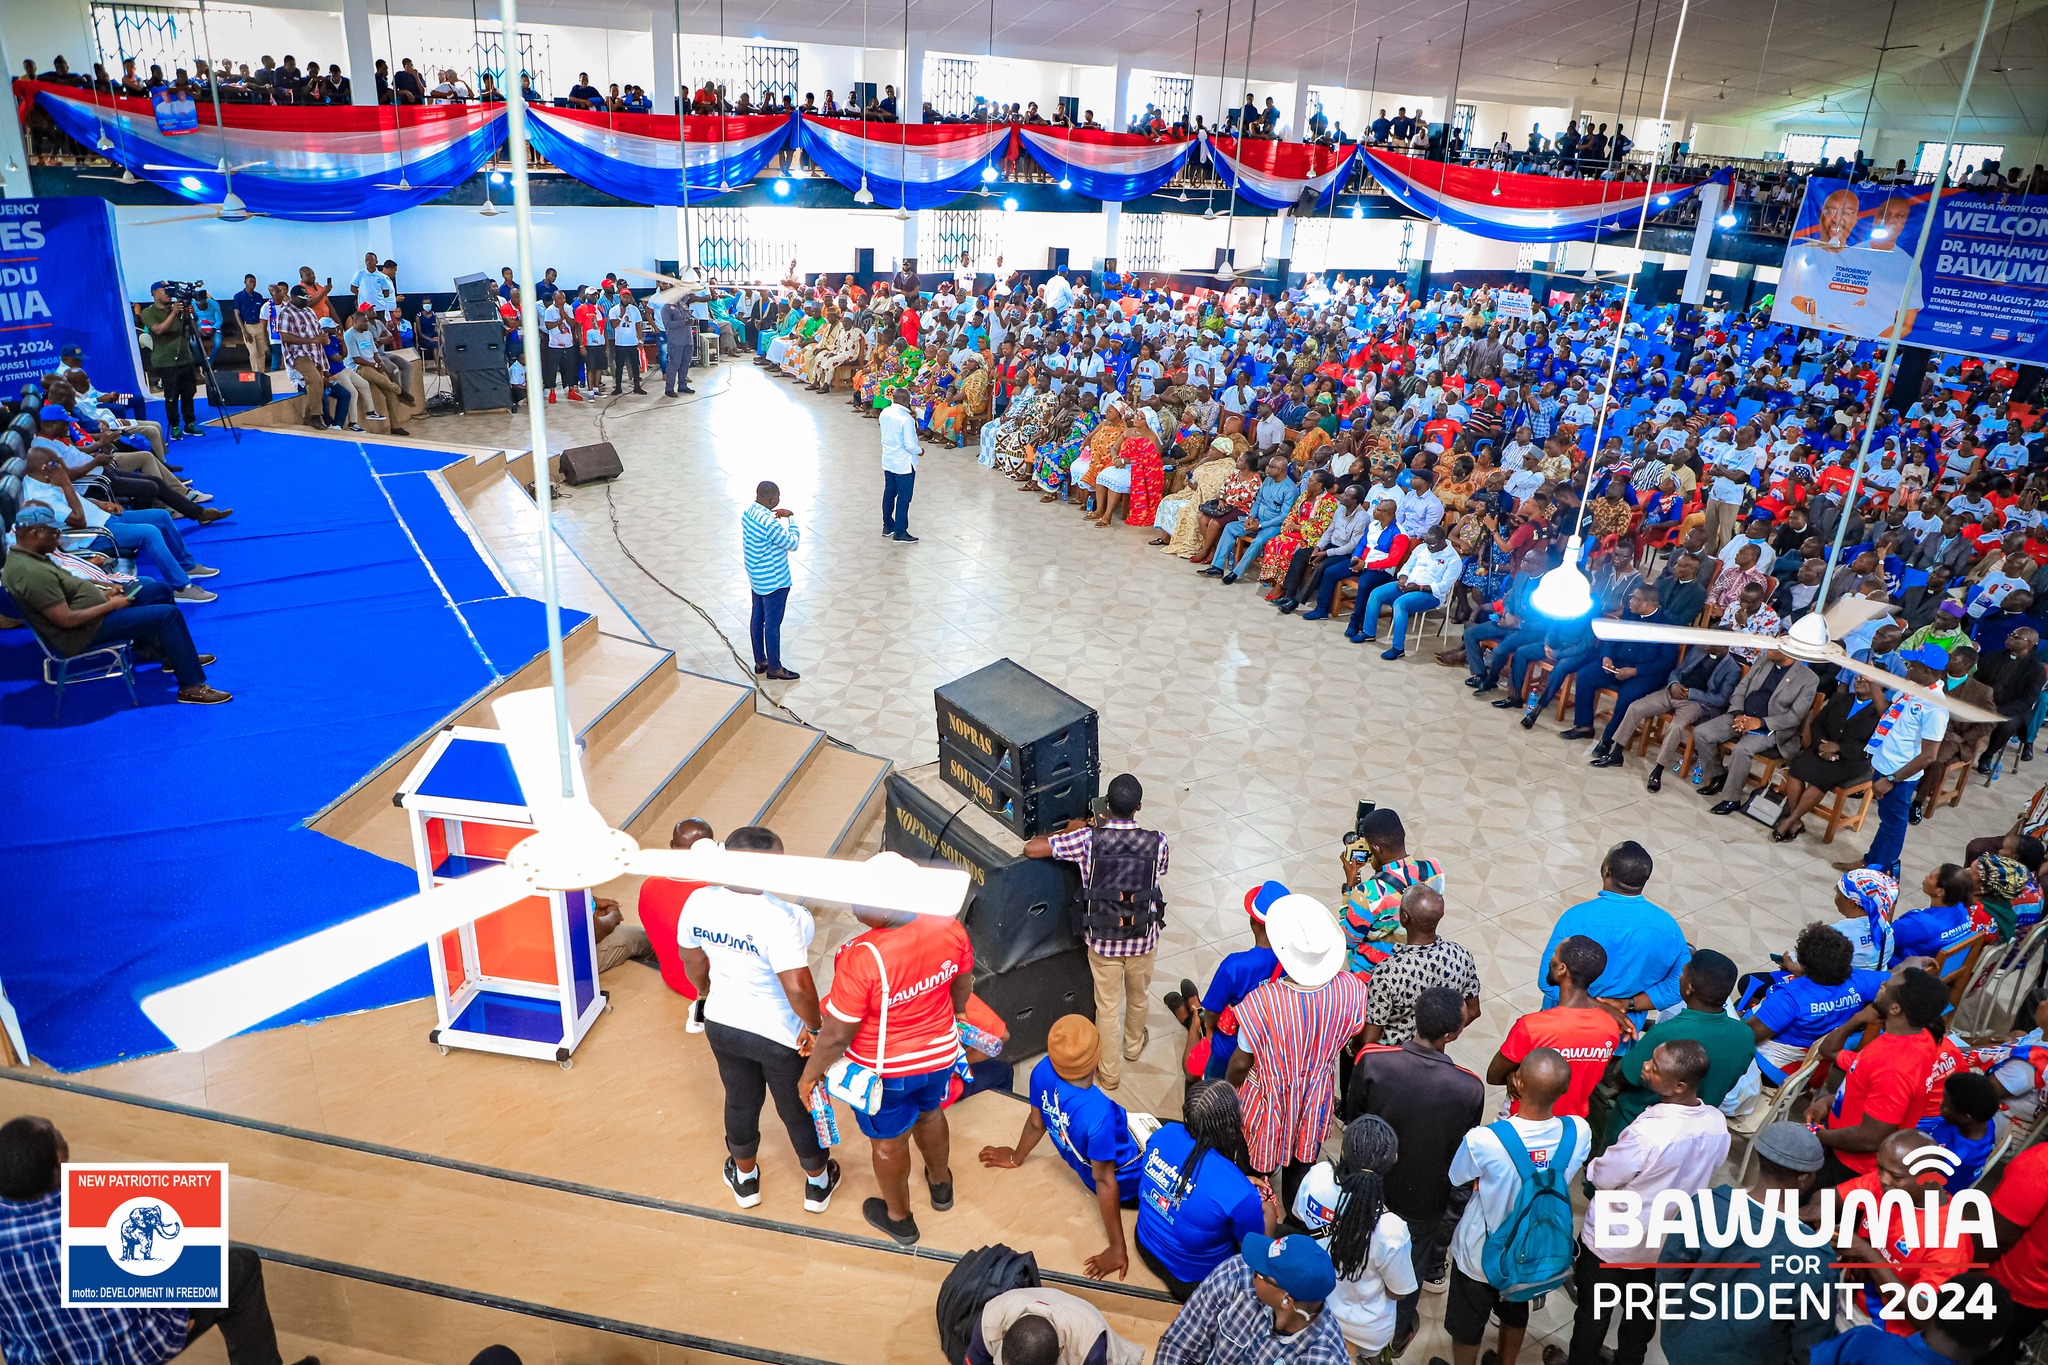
[[1050, 463]]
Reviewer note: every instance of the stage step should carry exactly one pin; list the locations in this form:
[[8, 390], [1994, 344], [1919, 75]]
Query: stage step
[[671, 731], [833, 803], [505, 519], [693, 1277]]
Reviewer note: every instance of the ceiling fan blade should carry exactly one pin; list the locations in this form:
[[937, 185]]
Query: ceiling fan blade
[[1675, 635], [183, 218], [1961, 710], [246, 165], [183, 170], [220, 1004], [887, 881], [656, 275], [1850, 612], [527, 722]]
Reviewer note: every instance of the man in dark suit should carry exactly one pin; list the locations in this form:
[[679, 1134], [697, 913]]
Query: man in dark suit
[[1947, 548], [1965, 739], [2015, 674], [1681, 597], [1765, 712], [1919, 604]]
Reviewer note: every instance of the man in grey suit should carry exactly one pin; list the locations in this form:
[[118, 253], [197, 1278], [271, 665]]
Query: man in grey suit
[[1764, 712], [1947, 548]]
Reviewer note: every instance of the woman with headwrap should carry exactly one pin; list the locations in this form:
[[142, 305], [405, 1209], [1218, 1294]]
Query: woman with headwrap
[[1832, 755], [1343, 1205], [2001, 883], [1051, 459], [1865, 899], [1196, 1201]]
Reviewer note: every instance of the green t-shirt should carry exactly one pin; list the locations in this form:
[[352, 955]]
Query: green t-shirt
[[1730, 1046], [169, 350], [38, 585]]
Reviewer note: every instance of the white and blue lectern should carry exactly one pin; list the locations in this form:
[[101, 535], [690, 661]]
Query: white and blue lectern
[[521, 980]]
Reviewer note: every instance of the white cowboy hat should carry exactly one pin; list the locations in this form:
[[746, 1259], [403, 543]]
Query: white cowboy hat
[[1305, 938]]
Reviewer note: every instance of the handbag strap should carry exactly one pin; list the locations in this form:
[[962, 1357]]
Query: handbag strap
[[882, 1027]]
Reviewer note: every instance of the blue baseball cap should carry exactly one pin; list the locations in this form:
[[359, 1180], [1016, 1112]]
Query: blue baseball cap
[[35, 514], [1298, 1264], [50, 412], [1933, 656]]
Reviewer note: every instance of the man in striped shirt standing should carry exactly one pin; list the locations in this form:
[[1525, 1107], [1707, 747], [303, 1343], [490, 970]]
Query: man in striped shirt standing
[[769, 534]]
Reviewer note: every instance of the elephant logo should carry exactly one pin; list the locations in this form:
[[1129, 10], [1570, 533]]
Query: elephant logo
[[139, 1230]]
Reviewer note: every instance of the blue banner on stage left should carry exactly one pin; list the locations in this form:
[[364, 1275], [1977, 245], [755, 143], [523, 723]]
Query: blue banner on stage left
[[59, 288], [1982, 286], [177, 111]]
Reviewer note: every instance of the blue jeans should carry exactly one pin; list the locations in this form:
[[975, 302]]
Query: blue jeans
[[1326, 583], [766, 627], [1405, 602], [1512, 656], [1229, 538], [1369, 582], [2033, 726], [156, 621], [896, 491], [1478, 634], [1894, 810], [151, 535]]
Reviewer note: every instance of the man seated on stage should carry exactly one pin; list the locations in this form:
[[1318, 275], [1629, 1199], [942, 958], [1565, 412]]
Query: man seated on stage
[[72, 615], [147, 535], [85, 447]]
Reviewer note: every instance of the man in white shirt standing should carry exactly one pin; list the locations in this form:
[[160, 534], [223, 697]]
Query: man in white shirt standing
[[900, 450], [749, 958], [1676, 1144], [373, 286], [625, 317]]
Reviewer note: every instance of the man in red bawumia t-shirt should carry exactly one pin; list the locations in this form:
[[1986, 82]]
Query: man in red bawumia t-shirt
[[1578, 1027]]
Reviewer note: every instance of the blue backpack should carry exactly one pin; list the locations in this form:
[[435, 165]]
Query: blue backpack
[[1530, 1253]]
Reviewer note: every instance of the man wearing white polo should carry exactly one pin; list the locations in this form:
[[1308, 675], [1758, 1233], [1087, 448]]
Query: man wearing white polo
[[899, 466]]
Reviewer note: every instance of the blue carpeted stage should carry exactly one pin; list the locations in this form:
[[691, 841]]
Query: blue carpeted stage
[[147, 844]]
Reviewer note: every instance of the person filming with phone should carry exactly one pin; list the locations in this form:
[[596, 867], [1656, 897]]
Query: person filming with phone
[[1122, 865]]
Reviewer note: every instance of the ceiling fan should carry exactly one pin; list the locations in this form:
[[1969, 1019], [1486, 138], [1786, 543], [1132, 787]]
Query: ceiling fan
[[572, 848], [1813, 639], [231, 209], [220, 168], [126, 177]]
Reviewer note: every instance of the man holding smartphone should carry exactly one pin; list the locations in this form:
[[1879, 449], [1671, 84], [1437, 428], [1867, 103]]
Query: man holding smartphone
[[72, 615]]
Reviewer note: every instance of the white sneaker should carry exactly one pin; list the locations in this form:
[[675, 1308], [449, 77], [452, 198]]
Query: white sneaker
[[818, 1198], [192, 592], [695, 1022], [201, 498], [746, 1189], [373, 417]]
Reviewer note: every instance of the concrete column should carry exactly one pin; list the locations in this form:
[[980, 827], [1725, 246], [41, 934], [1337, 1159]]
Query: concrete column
[[1697, 266], [1120, 97], [1297, 117], [910, 94], [13, 148], [1420, 254], [362, 59], [665, 92]]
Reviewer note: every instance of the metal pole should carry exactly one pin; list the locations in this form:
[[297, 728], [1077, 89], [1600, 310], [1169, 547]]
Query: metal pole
[[536, 414]]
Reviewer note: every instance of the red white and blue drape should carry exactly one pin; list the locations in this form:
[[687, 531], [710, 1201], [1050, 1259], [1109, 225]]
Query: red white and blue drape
[[1273, 175], [905, 165], [1511, 207], [646, 158], [1113, 167]]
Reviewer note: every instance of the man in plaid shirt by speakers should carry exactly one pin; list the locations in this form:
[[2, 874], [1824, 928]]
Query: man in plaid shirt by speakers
[[1122, 911]]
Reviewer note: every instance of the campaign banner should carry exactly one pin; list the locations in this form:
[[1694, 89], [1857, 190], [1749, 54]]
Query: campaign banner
[[1982, 287], [57, 262], [140, 1235], [176, 111], [1513, 303]]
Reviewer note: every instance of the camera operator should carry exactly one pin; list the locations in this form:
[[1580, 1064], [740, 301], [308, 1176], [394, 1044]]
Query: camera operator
[[1122, 911], [173, 358]]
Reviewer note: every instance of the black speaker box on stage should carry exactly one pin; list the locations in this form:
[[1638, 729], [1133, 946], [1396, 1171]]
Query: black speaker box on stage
[[1021, 727], [478, 297], [242, 388], [590, 464], [1025, 811], [467, 346], [1018, 908], [1029, 998], [482, 390]]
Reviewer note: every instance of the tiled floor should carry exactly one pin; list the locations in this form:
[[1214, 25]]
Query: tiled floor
[[1255, 734]]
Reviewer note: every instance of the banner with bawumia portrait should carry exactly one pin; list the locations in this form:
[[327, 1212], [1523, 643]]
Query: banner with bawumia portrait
[[1982, 287]]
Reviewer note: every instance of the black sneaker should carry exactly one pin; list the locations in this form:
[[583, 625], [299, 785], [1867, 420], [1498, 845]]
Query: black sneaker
[[817, 1197], [942, 1195], [746, 1189], [876, 1211]]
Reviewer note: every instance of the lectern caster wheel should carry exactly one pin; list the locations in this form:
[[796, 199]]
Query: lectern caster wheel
[[443, 1047], [567, 1063]]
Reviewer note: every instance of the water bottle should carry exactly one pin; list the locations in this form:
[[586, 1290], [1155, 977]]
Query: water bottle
[[823, 1120], [981, 1040]]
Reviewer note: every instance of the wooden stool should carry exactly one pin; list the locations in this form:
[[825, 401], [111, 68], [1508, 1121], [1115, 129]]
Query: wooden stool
[[1834, 808]]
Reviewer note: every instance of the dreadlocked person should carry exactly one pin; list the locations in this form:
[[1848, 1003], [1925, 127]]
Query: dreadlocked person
[[1197, 1201], [1343, 1205], [1122, 911]]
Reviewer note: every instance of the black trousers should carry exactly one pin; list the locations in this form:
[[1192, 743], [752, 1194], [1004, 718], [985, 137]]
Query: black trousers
[[179, 383], [1589, 1325], [1298, 580], [1182, 1290], [245, 1323], [752, 1068], [146, 490], [626, 361]]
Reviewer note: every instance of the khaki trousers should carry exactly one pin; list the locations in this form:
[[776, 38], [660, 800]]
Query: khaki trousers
[[1121, 987]]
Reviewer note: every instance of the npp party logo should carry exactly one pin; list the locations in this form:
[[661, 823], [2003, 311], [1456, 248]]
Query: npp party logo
[[137, 1235]]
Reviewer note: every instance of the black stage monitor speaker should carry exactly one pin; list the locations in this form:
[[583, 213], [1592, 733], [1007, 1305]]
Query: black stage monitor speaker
[[1019, 728], [1030, 998], [1018, 909], [243, 388], [478, 297], [1305, 206], [590, 464], [1025, 811], [469, 346], [483, 390]]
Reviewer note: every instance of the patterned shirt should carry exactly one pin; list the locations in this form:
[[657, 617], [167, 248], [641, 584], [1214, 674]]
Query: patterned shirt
[[35, 1329], [298, 327], [1295, 1034], [1413, 969], [1373, 907], [769, 541], [1223, 1323], [1071, 846]]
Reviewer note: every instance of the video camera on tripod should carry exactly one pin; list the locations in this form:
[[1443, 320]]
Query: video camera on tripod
[[182, 291]]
